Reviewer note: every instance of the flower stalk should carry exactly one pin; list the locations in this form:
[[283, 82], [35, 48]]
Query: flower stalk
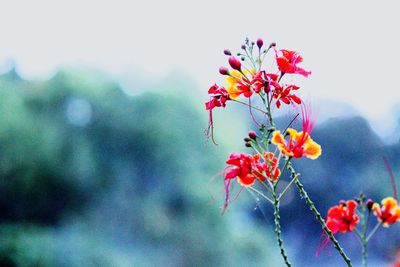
[[321, 220]]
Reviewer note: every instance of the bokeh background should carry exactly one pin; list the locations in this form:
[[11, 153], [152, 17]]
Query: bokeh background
[[103, 158]]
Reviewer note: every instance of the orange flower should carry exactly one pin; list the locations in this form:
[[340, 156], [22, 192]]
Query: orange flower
[[300, 143], [389, 213]]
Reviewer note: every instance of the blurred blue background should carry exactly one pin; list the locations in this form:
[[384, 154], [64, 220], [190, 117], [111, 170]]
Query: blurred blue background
[[103, 158]]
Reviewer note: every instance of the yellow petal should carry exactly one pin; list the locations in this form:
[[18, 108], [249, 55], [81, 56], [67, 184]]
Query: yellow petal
[[311, 149], [277, 138], [389, 203]]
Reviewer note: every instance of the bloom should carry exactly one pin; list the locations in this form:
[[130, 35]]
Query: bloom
[[239, 84], [219, 96], [300, 143], [248, 168], [287, 62], [263, 81], [342, 218], [389, 213], [284, 93]]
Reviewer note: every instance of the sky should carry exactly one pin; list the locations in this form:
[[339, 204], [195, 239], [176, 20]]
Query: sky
[[350, 46]]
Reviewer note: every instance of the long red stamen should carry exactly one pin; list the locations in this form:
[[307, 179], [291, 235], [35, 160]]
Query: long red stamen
[[392, 180], [210, 129]]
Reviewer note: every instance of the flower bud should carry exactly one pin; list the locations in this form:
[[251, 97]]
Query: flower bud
[[260, 43], [247, 144], [235, 63], [253, 135], [243, 47], [246, 139], [224, 71], [227, 52], [273, 44], [369, 204]]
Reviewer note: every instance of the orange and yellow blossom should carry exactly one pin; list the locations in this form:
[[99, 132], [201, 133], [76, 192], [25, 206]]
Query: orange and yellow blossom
[[239, 83], [389, 213], [300, 144]]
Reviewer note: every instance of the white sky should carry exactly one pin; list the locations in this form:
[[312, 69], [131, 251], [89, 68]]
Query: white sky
[[350, 46]]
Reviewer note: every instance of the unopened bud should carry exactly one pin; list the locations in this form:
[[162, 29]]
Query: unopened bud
[[235, 63], [271, 129], [246, 139], [273, 44], [242, 58], [224, 71], [260, 43], [227, 52], [369, 203], [247, 144], [252, 135], [243, 47]]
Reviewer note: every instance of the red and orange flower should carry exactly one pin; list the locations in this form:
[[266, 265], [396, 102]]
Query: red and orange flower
[[388, 213], [287, 62], [240, 83], [248, 168], [300, 143], [342, 218]]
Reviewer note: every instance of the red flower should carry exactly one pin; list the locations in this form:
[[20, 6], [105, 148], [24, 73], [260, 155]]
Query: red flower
[[287, 62], [262, 81], [342, 218], [248, 169], [284, 93], [219, 96], [271, 166]]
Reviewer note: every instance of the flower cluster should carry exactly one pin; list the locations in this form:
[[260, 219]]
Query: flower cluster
[[246, 82], [343, 218], [260, 90], [273, 150]]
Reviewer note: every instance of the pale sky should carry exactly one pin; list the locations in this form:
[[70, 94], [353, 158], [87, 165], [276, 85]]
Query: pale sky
[[350, 46]]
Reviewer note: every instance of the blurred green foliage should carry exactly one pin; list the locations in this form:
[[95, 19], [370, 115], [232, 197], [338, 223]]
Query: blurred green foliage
[[92, 177]]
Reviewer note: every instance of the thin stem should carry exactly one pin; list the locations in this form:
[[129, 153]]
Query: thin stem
[[287, 187], [261, 194], [271, 122], [278, 228], [364, 252], [309, 202], [253, 107], [373, 231]]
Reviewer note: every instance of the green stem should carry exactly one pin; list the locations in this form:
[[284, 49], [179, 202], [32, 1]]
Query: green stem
[[309, 202], [243, 103], [261, 194], [278, 228], [364, 253], [288, 186], [373, 231]]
